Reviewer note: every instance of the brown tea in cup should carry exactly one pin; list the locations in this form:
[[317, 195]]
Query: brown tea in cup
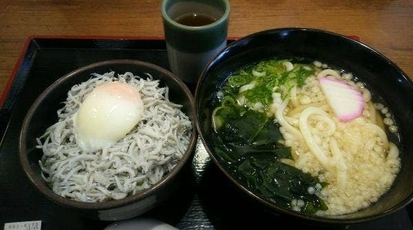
[[195, 19]]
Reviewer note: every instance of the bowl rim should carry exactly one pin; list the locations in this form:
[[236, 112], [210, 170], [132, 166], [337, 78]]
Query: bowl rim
[[41, 186], [243, 41]]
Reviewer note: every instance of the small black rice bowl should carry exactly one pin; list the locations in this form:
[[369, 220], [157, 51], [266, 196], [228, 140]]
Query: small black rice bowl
[[383, 77], [43, 114]]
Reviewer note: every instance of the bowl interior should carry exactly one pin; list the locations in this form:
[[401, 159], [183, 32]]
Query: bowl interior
[[43, 114], [381, 75]]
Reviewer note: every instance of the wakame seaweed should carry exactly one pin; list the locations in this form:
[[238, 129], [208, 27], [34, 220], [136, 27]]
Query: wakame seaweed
[[248, 140], [249, 144], [279, 182]]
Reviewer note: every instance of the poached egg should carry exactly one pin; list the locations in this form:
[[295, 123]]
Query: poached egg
[[107, 115]]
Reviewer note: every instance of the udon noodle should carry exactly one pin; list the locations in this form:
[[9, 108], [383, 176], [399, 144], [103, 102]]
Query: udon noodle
[[135, 163], [355, 158], [354, 161]]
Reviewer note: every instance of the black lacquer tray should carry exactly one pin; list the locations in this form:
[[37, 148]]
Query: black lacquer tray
[[209, 201]]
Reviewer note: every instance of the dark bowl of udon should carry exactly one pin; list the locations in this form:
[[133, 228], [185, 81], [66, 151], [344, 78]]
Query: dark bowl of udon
[[129, 178], [242, 135]]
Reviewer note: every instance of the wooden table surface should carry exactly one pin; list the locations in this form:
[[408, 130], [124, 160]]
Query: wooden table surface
[[385, 25]]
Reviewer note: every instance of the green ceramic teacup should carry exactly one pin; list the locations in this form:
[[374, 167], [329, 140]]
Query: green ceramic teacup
[[195, 31]]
